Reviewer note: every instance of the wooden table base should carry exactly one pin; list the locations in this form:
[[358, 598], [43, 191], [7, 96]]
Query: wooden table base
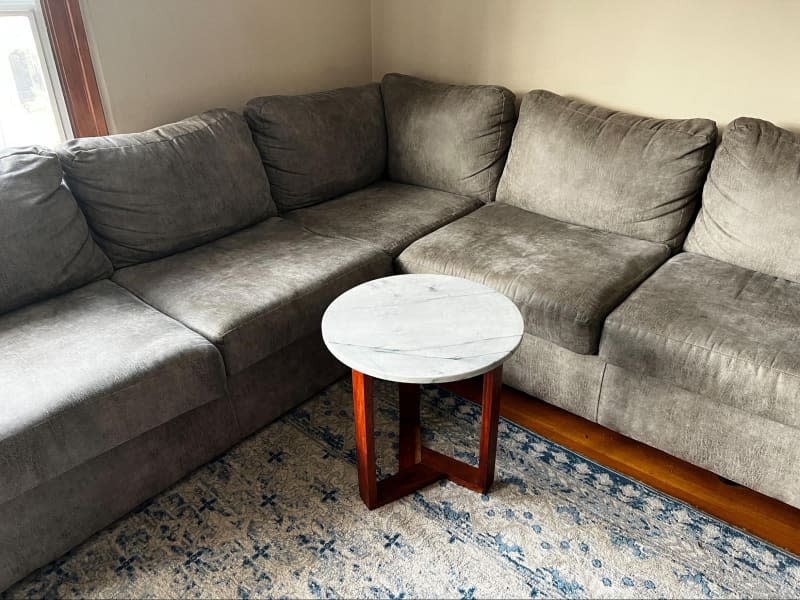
[[420, 466]]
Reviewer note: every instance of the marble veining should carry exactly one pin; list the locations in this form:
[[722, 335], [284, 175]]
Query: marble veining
[[422, 328]]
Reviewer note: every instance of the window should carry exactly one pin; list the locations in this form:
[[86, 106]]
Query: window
[[32, 106]]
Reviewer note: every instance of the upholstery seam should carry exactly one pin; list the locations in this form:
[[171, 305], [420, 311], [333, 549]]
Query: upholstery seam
[[260, 104], [749, 127], [743, 360], [433, 84], [499, 129], [229, 401], [26, 151], [74, 153], [600, 392], [708, 139]]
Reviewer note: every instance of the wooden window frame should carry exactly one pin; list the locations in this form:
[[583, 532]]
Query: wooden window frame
[[74, 65]]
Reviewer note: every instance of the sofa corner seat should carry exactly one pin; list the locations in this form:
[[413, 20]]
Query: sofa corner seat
[[386, 214]]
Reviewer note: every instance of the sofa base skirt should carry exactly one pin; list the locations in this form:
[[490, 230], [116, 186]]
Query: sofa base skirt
[[756, 452], [48, 520], [266, 390], [753, 451], [556, 375]]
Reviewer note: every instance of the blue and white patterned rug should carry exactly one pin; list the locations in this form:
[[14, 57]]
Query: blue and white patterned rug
[[280, 515]]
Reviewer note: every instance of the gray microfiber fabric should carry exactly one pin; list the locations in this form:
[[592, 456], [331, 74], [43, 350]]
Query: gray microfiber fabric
[[319, 146], [387, 214], [258, 290], [751, 202], [564, 278], [42, 523], [45, 245], [608, 170], [447, 137], [278, 383], [87, 371], [556, 375], [45, 522], [754, 451], [715, 329], [148, 195]]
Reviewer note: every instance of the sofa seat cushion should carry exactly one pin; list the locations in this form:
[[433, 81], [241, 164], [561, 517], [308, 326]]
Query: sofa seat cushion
[[714, 329], [605, 169], [45, 244], [255, 292], [87, 371], [564, 278], [389, 215], [150, 194]]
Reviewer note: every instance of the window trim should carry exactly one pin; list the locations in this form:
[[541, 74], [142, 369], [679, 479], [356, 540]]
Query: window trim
[[73, 63]]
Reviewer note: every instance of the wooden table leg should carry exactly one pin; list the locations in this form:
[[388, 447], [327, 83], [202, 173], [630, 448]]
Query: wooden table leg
[[420, 466], [411, 477], [364, 412], [478, 478], [490, 419], [410, 442]]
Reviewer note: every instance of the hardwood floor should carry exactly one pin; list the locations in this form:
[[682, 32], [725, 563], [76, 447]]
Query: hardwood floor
[[762, 516]]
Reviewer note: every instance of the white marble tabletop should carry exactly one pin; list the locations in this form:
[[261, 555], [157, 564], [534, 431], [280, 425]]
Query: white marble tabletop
[[422, 328]]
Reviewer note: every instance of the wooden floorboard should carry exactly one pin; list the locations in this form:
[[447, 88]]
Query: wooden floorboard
[[762, 516]]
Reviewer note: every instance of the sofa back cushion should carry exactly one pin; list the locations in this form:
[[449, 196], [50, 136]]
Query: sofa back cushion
[[447, 137], [750, 215], [318, 146], [151, 194], [608, 170], [45, 244]]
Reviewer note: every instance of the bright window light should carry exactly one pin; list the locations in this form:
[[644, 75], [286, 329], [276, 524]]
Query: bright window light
[[32, 110]]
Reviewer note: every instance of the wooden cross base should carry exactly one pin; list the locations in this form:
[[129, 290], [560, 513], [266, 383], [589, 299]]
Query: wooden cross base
[[420, 466]]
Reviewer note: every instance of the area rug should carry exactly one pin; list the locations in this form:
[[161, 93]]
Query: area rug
[[280, 516]]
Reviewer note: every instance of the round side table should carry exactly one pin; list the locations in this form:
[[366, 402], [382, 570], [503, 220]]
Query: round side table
[[416, 329]]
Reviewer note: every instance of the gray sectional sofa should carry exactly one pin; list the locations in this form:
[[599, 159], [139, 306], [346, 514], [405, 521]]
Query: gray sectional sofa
[[161, 293]]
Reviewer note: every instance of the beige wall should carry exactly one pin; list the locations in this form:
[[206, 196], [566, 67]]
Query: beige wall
[[669, 58], [161, 60]]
